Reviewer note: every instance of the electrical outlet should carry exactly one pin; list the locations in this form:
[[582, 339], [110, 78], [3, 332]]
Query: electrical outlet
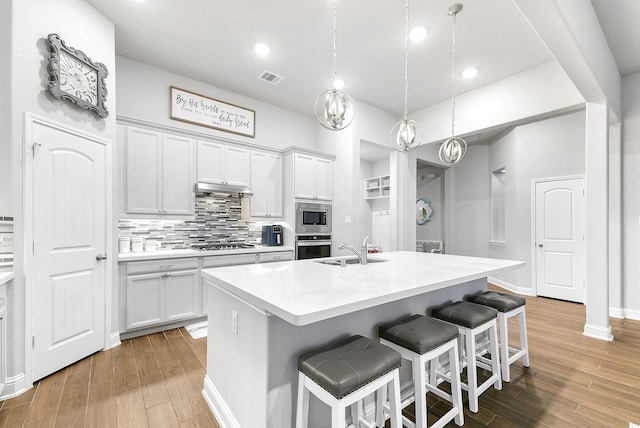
[[234, 322]]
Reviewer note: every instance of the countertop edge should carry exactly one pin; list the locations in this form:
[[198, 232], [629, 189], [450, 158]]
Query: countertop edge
[[179, 254], [321, 315]]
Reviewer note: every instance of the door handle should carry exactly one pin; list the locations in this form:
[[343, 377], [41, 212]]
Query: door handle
[[540, 245], [101, 257]]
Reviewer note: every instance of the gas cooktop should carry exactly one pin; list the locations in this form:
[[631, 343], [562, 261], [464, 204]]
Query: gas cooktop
[[207, 246]]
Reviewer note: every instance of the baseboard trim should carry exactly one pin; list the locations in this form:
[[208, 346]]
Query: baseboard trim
[[616, 312], [511, 287], [632, 314], [218, 406], [14, 386], [114, 340], [597, 332]]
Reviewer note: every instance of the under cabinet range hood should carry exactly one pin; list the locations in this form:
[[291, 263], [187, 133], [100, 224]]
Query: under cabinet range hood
[[223, 190]]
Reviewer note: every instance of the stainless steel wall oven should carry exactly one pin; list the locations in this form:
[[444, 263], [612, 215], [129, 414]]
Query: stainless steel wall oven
[[313, 246]]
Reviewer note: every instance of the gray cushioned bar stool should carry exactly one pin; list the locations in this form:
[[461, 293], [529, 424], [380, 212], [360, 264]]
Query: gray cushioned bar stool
[[343, 373], [473, 321], [507, 306], [423, 340]]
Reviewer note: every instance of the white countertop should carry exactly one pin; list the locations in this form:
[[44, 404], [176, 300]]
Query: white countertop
[[5, 277], [171, 254], [305, 291]]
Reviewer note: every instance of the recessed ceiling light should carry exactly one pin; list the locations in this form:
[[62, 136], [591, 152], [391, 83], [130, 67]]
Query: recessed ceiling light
[[262, 49], [418, 34], [470, 73], [338, 83]]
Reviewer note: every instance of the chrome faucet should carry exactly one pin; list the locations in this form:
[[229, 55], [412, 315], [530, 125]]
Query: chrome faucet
[[362, 255]]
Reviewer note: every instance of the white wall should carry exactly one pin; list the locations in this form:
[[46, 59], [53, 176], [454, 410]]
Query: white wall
[[431, 189], [550, 148], [467, 197], [6, 208], [81, 27], [630, 195], [538, 92], [143, 94]]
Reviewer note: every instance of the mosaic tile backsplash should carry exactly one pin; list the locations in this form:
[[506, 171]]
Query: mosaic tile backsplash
[[217, 221], [6, 243]]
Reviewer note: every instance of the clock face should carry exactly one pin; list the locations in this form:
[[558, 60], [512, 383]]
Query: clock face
[[78, 78]]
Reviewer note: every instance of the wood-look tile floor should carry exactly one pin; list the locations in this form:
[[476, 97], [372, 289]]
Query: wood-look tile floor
[[156, 381]]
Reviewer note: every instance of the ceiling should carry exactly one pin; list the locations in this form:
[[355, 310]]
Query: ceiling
[[212, 41]]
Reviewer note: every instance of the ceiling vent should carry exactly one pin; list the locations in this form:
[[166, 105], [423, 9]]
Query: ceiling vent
[[270, 77]]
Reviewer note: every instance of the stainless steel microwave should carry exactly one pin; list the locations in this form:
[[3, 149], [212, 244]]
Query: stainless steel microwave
[[313, 218]]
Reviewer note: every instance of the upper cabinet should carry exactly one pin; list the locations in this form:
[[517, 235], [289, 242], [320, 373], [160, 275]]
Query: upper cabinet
[[221, 163], [159, 173], [313, 177], [266, 183]]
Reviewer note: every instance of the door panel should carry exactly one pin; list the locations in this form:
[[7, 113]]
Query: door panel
[[560, 245], [69, 229]]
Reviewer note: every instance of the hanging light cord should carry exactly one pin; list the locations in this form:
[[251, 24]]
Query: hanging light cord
[[335, 39], [453, 78], [406, 59]]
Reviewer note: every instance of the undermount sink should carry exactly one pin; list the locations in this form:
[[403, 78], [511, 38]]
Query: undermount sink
[[349, 261]]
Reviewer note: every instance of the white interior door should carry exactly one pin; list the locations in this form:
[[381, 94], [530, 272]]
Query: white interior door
[[559, 239], [69, 233]]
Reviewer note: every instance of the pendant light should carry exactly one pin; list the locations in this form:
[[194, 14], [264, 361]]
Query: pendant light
[[453, 149], [334, 108], [406, 134]]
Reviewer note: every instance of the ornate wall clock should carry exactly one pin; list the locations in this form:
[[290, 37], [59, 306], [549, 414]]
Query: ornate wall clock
[[75, 78]]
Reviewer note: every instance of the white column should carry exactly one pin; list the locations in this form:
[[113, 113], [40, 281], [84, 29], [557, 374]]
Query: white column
[[597, 206], [403, 168], [615, 221]]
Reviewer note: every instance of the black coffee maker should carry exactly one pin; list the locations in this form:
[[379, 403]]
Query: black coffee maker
[[272, 235]]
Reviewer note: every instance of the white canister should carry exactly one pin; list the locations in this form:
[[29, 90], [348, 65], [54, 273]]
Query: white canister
[[151, 245], [124, 244], [137, 245]]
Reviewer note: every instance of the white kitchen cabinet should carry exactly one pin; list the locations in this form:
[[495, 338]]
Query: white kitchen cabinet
[[222, 163], [3, 336], [275, 256], [266, 183], [159, 173], [161, 291], [313, 177]]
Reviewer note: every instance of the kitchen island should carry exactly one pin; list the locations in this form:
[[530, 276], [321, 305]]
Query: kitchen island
[[261, 317]]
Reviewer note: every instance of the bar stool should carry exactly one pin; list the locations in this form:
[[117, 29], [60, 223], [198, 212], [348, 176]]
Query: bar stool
[[507, 306], [473, 321], [421, 339], [342, 374]]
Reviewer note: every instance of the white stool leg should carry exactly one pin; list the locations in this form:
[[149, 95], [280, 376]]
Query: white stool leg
[[419, 378], [338, 415], [472, 376], [456, 389], [381, 398], [495, 359], [504, 346], [524, 343], [394, 400], [302, 411]]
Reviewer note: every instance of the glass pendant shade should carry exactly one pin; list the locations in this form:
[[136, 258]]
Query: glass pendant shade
[[334, 109], [452, 150], [406, 135]]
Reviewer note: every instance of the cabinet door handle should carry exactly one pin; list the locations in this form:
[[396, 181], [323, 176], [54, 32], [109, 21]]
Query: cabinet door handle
[[101, 257]]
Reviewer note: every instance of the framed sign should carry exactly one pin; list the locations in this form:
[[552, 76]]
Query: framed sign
[[198, 109]]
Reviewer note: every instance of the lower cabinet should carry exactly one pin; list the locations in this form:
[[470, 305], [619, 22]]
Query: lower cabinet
[[161, 291], [156, 292]]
